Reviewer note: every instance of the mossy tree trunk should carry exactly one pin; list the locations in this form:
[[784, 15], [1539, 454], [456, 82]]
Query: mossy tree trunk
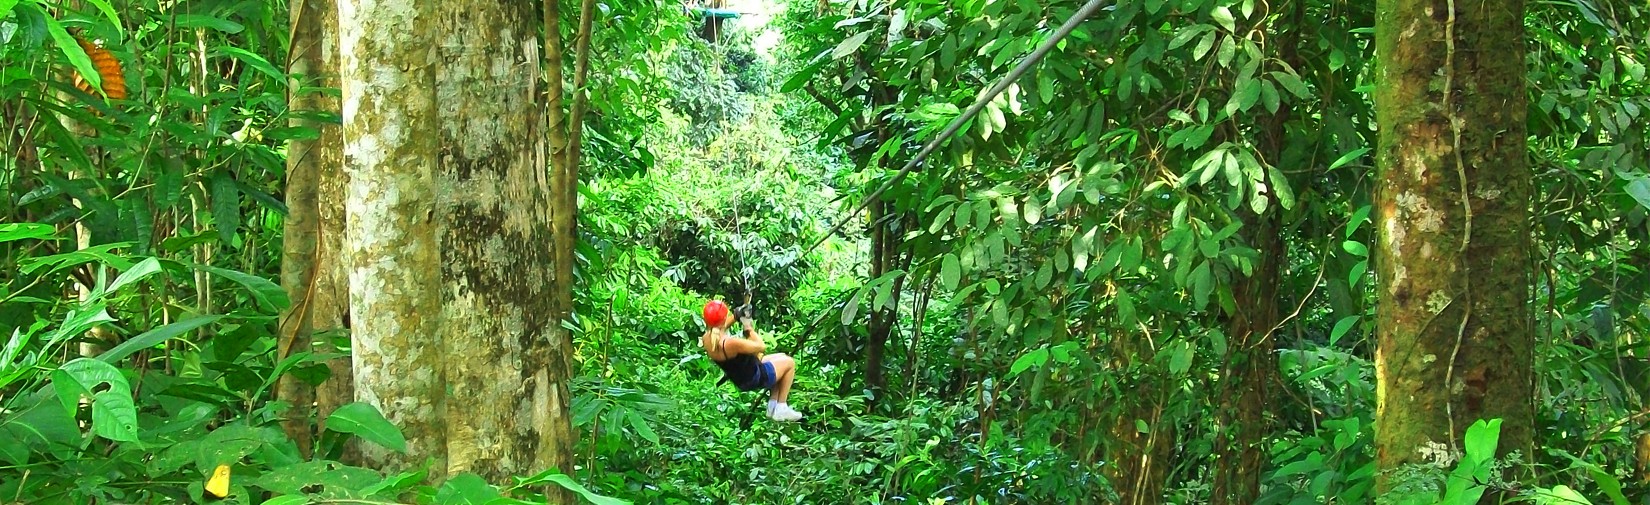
[[1454, 331], [391, 141], [310, 261], [506, 372]]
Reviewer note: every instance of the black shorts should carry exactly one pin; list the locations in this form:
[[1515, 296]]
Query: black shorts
[[764, 378]]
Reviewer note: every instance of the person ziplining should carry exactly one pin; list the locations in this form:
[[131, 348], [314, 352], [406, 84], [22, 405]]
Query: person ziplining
[[743, 360]]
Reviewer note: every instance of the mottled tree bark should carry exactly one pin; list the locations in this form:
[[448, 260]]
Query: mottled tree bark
[[1453, 325], [392, 134], [505, 369], [314, 60]]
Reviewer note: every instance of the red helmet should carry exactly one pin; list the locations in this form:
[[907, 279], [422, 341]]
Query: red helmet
[[716, 313]]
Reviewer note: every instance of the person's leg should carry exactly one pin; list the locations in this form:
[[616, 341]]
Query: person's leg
[[784, 368], [784, 371]]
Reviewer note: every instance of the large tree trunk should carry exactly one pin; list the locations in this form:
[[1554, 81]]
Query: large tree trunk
[[314, 59], [391, 131], [1453, 326], [1252, 365], [505, 370], [1251, 368]]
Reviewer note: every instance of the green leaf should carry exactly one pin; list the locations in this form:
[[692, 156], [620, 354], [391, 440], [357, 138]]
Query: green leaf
[[1036, 357], [950, 272], [1482, 438], [1358, 218], [1292, 83], [154, 337], [25, 231], [1204, 45], [256, 62], [114, 416], [200, 21], [641, 427], [287, 500], [1348, 157], [6, 6], [469, 489], [851, 309], [1639, 189], [139, 271], [77, 56], [103, 6], [269, 295], [850, 45], [571, 485], [226, 206], [1224, 16], [1280, 187], [1356, 248], [366, 422], [1341, 327], [1357, 273], [1180, 358]]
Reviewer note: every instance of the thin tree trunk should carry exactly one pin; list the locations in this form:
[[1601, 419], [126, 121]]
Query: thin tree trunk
[[506, 413], [391, 131], [1453, 326], [314, 58]]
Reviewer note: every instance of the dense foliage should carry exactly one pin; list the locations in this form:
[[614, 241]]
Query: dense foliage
[[1145, 262]]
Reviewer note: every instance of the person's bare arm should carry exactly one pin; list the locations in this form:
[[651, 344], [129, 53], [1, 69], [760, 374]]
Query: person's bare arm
[[744, 346]]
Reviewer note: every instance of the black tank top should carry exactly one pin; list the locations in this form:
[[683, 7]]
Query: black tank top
[[739, 369]]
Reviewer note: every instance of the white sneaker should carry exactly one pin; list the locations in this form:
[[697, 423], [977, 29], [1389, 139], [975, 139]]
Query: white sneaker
[[784, 413]]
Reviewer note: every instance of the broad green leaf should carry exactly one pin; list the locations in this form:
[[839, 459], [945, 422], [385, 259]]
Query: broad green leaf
[[226, 206], [1561, 495], [1639, 189], [76, 54], [574, 486], [269, 295], [1180, 358], [851, 309], [154, 337], [1481, 440], [201, 21], [1341, 327], [256, 62], [1356, 248], [1357, 273], [1292, 83], [641, 427], [1204, 45], [1280, 188], [1224, 16], [287, 500], [6, 6], [138, 272], [25, 231], [850, 45], [1358, 218], [366, 422], [102, 6], [1036, 357], [114, 416], [1203, 283], [950, 272], [470, 489]]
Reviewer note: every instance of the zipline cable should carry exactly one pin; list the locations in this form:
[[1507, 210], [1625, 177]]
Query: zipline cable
[[973, 110]]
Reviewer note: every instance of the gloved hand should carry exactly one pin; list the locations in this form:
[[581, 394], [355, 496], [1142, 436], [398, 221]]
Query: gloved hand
[[745, 311]]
